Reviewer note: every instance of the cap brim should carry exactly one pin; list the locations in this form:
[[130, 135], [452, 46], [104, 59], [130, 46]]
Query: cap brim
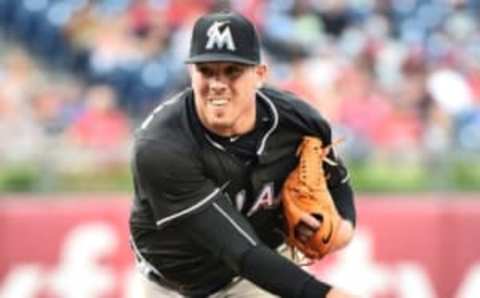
[[217, 57]]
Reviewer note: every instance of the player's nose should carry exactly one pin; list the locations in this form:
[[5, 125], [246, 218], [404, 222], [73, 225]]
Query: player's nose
[[217, 85]]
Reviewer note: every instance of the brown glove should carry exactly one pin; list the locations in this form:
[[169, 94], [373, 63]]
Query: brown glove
[[305, 191]]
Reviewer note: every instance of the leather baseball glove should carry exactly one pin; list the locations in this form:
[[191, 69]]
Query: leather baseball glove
[[305, 191]]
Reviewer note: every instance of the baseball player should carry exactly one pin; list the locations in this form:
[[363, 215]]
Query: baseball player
[[208, 166]]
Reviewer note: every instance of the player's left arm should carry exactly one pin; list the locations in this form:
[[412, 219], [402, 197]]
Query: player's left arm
[[338, 182], [338, 178]]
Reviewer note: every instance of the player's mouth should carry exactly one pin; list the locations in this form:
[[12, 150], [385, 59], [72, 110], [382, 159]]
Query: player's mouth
[[218, 102]]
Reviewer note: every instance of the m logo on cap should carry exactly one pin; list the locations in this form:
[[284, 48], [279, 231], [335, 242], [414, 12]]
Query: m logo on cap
[[219, 38]]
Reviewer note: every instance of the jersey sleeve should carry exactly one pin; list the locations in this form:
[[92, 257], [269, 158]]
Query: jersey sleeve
[[228, 235], [336, 172], [171, 179]]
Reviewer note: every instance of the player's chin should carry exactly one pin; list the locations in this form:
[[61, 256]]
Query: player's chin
[[220, 119], [220, 126]]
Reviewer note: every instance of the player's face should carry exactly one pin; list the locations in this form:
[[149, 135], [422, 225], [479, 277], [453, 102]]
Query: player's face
[[225, 95]]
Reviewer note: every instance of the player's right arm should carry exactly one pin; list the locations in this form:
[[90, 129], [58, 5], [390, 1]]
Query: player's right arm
[[179, 193], [228, 235]]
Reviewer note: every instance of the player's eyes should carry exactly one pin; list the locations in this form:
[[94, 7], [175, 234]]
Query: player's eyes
[[234, 71], [206, 72], [230, 72]]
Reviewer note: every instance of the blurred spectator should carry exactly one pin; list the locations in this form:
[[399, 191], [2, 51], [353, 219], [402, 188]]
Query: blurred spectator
[[101, 126], [17, 72], [334, 15], [291, 30], [21, 137], [468, 131], [114, 46], [398, 132], [179, 11], [297, 81], [98, 137], [451, 90], [362, 108], [46, 106]]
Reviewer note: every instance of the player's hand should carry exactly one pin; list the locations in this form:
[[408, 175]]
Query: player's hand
[[337, 293], [307, 227]]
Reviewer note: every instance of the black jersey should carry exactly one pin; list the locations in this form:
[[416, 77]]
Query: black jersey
[[179, 169]]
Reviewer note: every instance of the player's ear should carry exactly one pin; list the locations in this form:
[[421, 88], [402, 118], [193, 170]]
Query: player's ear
[[261, 71]]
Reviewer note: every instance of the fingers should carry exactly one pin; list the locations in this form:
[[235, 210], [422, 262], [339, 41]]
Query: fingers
[[310, 221], [307, 227]]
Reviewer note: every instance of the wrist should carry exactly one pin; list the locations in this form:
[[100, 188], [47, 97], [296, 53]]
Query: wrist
[[337, 293], [343, 236]]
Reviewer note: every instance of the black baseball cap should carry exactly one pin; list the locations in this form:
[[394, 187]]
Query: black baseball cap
[[224, 37]]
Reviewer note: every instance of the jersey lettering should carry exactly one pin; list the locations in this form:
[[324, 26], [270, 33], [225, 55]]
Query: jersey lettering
[[219, 38], [265, 200]]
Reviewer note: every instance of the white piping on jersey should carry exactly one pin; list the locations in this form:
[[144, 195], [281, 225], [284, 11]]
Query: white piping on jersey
[[142, 264], [275, 122], [215, 144], [344, 180], [347, 177], [235, 225], [150, 117], [188, 210]]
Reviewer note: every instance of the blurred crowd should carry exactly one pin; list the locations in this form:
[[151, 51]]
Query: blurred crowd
[[396, 78]]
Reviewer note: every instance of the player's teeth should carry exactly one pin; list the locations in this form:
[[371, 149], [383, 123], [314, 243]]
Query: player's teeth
[[218, 102]]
